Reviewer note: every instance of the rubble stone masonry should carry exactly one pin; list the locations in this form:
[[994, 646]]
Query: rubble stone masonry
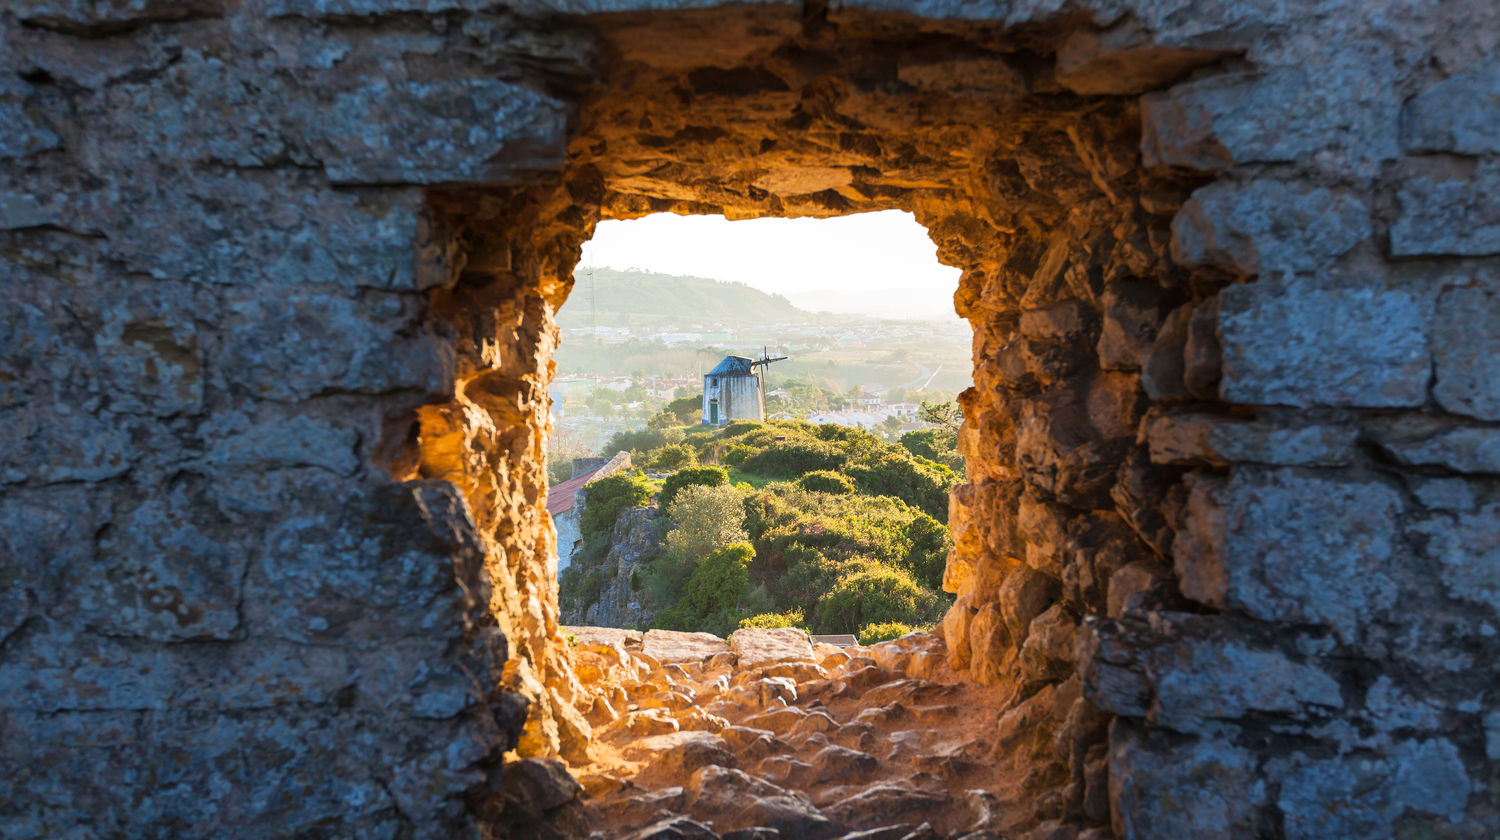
[[276, 328]]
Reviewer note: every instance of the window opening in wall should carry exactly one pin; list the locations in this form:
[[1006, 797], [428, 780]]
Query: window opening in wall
[[785, 386]]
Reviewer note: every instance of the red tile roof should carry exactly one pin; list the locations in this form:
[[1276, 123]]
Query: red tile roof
[[560, 497]]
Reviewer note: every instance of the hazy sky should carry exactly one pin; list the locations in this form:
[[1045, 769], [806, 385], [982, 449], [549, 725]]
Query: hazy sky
[[856, 256]]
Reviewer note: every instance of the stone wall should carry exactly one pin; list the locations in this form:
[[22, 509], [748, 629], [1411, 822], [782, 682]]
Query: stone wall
[[280, 278]]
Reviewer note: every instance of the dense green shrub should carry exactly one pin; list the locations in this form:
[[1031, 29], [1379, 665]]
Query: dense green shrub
[[736, 455], [883, 631], [928, 557], [712, 594], [826, 481], [674, 456], [936, 445], [875, 594], [897, 473], [604, 499], [790, 618], [794, 457], [640, 442], [693, 476]]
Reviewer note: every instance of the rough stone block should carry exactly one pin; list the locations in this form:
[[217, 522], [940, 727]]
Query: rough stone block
[[167, 570], [767, 646], [1465, 335], [298, 345], [1204, 788], [1025, 595], [1460, 114], [22, 131], [1292, 344], [464, 130], [1191, 438], [379, 566], [1425, 443], [1466, 548], [1133, 312], [1284, 546], [675, 646], [1343, 106], [1267, 227], [1457, 214], [291, 226], [1195, 677], [1123, 60], [1134, 579], [1361, 796], [1201, 687]]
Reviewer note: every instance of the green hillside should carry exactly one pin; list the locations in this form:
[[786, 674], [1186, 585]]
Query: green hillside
[[626, 297]]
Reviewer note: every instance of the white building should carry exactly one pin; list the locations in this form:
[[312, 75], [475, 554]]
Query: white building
[[733, 390]]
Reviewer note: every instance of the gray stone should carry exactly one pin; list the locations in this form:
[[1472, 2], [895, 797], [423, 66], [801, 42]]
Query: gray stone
[[1163, 367], [1466, 449], [1205, 788], [22, 132], [1123, 60], [1201, 687], [1466, 547], [1131, 580], [676, 646], [1293, 344], [1492, 735], [1443, 493], [767, 646], [1359, 796], [434, 132], [1267, 227], [299, 345], [1459, 114], [1345, 105], [84, 17], [1193, 438], [1465, 333], [1290, 547], [1133, 312], [1457, 214]]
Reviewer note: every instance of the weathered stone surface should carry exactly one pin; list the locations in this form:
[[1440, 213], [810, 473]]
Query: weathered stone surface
[[267, 263], [1268, 227], [1283, 546], [1455, 213], [1346, 107], [1297, 345], [766, 646], [23, 133], [1459, 114], [1421, 442], [1355, 795], [1466, 547], [1216, 792], [676, 646], [1133, 312], [1466, 351], [1122, 59], [1191, 438]]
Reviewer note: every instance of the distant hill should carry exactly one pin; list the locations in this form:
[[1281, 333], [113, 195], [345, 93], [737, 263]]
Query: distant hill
[[637, 296]]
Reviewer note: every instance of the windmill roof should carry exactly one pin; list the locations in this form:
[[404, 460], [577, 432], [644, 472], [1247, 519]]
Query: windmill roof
[[732, 366]]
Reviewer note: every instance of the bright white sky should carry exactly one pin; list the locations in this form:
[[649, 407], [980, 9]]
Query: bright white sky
[[873, 263]]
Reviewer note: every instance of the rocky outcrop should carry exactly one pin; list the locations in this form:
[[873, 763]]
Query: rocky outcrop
[[634, 542]]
